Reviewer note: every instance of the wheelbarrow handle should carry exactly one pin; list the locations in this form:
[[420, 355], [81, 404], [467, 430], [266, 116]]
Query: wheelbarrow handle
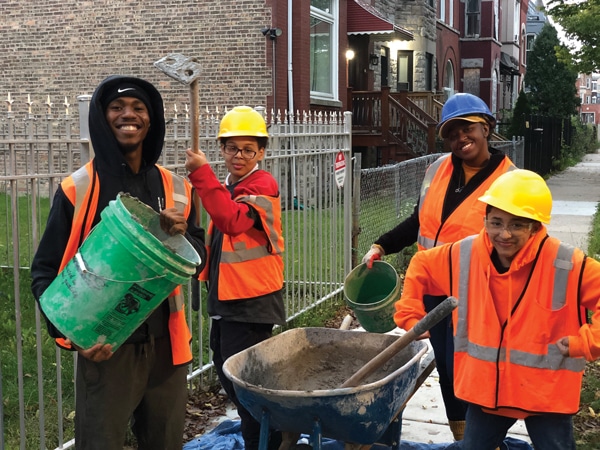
[[423, 325]]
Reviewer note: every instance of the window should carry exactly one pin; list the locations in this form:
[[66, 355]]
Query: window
[[443, 10], [517, 20], [473, 19], [428, 71], [405, 70], [449, 79], [529, 40], [323, 49], [451, 13]]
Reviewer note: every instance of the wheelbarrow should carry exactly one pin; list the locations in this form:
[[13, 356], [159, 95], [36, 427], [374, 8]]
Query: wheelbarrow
[[291, 382]]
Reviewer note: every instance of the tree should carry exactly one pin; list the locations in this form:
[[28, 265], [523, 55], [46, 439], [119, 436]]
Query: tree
[[551, 82], [580, 21]]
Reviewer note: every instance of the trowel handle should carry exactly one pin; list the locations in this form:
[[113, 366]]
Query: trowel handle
[[423, 325], [195, 115], [434, 316]]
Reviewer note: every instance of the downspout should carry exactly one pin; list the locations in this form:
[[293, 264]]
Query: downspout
[[289, 53], [291, 101]]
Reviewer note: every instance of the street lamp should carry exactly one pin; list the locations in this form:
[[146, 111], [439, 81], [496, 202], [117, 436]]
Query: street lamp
[[349, 57]]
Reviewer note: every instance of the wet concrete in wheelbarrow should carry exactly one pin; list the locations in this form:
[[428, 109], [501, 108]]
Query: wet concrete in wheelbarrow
[[320, 366]]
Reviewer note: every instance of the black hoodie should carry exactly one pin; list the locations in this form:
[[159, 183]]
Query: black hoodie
[[114, 176]]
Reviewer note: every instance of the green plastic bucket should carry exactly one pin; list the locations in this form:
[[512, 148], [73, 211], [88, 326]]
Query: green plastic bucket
[[123, 270], [371, 293]]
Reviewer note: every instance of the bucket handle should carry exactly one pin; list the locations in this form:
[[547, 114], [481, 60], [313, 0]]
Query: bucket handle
[[84, 269]]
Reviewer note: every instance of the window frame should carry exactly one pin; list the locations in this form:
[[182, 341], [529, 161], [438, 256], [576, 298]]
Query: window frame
[[332, 19], [473, 19]]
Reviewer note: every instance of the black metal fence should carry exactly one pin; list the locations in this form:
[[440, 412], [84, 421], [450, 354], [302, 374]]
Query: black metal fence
[[544, 137]]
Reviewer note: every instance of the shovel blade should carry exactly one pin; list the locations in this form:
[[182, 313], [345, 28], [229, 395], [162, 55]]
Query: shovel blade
[[180, 67]]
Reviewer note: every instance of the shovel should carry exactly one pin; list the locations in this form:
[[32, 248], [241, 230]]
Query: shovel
[[187, 70], [423, 325]]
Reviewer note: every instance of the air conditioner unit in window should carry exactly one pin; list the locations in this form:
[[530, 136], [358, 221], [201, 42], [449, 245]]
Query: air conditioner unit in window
[[403, 86]]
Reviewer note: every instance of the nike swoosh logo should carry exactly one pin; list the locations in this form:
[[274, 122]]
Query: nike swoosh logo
[[126, 89]]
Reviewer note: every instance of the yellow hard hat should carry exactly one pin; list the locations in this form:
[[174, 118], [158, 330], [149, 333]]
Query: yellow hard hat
[[521, 192], [243, 121]]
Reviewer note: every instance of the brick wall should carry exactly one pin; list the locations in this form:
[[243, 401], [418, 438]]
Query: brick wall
[[66, 47]]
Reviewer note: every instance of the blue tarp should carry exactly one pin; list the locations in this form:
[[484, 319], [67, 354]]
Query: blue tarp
[[227, 436]]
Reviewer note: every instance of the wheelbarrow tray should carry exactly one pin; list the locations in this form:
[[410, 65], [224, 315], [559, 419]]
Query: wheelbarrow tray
[[295, 378]]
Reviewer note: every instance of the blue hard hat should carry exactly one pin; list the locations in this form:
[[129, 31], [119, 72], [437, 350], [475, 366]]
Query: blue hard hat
[[463, 105]]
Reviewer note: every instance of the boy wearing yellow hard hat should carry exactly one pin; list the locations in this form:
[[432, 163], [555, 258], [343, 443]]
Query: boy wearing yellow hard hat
[[244, 271], [520, 331]]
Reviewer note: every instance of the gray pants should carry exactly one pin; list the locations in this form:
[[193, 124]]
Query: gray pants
[[138, 384]]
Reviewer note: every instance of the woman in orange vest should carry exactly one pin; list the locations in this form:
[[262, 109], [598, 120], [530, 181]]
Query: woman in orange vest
[[448, 210], [520, 332], [245, 245]]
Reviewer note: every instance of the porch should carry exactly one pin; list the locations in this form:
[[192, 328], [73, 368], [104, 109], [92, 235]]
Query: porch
[[397, 125]]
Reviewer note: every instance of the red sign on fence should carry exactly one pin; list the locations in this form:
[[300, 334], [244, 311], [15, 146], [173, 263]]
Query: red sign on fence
[[340, 169]]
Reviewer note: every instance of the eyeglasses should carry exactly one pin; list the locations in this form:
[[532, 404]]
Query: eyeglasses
[[232, 150], [514, 228]]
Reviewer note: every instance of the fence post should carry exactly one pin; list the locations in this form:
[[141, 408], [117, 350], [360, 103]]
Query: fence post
[[87, 152], [356, 167]]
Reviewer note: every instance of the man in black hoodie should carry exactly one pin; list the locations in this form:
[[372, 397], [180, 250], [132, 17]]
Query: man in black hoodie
[[144, 380]]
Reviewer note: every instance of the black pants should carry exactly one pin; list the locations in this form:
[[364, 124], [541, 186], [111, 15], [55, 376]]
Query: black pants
[[226, 339], [138, 382], [442, 341]]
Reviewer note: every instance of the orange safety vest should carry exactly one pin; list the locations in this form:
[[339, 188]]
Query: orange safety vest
[[82, 189], [516, 364], [254, 256], [465, 220]]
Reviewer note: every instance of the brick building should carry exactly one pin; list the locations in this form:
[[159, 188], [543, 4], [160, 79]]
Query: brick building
[[589, 94]]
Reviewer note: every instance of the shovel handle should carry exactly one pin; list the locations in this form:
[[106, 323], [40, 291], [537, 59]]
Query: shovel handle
[[423, 325]]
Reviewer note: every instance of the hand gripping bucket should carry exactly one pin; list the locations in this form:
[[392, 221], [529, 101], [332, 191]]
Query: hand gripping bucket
[[123, 270], [371, 293]]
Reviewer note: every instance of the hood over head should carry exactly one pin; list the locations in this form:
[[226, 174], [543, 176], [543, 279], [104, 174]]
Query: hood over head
[[106, 148]]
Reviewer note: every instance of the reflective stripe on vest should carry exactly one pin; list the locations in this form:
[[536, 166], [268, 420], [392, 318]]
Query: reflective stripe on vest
[[254, 255], [77, 188], [552, 360], [240, 252], [429, 175]]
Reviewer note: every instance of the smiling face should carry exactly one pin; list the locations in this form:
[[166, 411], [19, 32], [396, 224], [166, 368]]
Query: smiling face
[[508, 233], [468, 141], [237, 152], [129, 120]]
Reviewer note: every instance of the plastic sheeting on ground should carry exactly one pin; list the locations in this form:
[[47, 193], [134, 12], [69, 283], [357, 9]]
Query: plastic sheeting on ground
[[227, 436]]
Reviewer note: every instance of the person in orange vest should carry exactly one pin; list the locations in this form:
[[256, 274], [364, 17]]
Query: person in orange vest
[[448, 210], [521, 333], [142, 383], [244, 272]]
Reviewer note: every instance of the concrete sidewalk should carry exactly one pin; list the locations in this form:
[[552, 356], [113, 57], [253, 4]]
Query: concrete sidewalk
[[575, 192]]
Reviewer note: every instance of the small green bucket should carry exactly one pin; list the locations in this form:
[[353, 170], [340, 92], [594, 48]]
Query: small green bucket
[[123, 270], [371, 293]]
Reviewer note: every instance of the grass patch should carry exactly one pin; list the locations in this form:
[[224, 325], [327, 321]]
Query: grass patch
[[31, 407], [587, 421]]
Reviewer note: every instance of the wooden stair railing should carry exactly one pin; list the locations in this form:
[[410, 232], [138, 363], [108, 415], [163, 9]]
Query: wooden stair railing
[[381, 119]]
